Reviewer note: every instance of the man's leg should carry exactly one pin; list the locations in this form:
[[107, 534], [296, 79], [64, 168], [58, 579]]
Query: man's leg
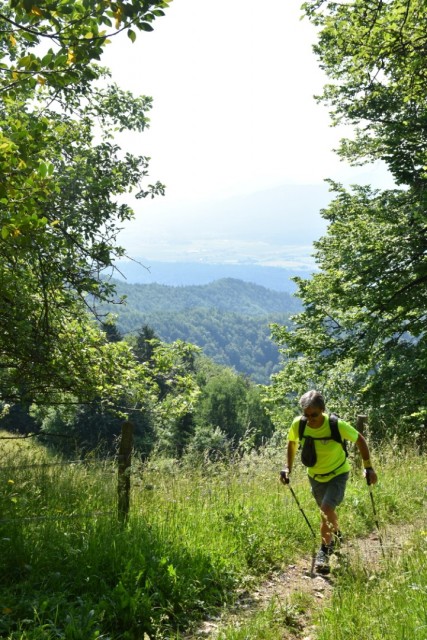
[[329, 523], [328, 496]]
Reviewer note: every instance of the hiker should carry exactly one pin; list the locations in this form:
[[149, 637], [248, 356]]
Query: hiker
[[328, 465]]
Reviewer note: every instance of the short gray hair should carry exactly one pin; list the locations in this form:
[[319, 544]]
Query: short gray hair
[[312, 399]]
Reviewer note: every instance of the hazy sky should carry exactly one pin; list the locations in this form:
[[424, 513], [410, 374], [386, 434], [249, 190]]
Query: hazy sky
[[233, 115]]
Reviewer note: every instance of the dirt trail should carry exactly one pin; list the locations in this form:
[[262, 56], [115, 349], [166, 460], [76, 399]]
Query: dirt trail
[[299, 578]]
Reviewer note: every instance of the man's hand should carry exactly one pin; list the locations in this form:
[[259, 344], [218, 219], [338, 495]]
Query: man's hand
[[284, 476], [370, 475]]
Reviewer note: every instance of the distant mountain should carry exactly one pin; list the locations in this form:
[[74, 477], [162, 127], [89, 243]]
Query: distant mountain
[[226, 294], [196, 273], [228, 319]]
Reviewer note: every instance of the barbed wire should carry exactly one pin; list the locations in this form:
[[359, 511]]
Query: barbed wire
[[56, 464], [36, 435], [95, 514]]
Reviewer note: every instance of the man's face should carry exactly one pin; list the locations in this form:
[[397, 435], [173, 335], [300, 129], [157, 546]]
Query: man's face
[[314, 417]]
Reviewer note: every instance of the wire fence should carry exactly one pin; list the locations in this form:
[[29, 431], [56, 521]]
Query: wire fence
[[71, 516], [63, 463], [120, 464]]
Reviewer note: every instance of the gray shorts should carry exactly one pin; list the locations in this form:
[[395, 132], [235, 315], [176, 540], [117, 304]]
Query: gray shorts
[[330, 492]]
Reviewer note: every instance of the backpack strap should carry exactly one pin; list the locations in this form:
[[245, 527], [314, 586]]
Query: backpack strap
[[301, 427], [335, 432]]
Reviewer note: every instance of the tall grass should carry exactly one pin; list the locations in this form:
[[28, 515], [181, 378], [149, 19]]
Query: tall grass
[[390, 604], [385, 604], [195, 536]]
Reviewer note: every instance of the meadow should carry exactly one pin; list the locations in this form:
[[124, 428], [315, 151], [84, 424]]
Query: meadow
[[196, 536]]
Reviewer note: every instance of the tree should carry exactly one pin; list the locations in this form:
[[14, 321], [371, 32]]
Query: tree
[[362, 333], [145, 343], [111, 332], [232, 404], [172, 370], [61, 180], [374, 53], [76, 33], [157, 396]]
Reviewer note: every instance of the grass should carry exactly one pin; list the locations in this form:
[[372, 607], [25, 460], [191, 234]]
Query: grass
[[195, 536], [279, 619], [268, 624], [390, 604]]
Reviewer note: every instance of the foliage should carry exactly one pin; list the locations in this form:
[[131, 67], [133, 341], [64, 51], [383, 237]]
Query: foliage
[[76, 33], [157, 396], [228, 319], [172, 417], [177, 400], [225, 294], [61, 180], [362, 333], [229, 339], [374, 54], [365, 311], [232, 404], [226, 412]]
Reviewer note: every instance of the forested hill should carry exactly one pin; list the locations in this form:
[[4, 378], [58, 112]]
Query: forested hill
[[228, 319], [226, 294]]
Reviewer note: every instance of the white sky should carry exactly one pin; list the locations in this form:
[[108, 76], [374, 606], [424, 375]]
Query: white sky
[[233, 84]]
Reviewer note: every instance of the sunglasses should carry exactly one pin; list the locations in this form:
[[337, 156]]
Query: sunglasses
[[311, 415]]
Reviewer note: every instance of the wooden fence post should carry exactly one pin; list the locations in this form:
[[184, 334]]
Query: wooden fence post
[[123, 484]]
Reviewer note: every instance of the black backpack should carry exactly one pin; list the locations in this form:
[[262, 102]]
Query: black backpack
[[308, 453]]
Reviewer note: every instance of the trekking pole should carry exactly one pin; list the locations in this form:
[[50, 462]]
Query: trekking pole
[[313, 555], [285, 480], [302, 511], [375, 514]]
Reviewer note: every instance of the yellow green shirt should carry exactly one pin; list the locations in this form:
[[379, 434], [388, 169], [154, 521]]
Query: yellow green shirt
[[330, 454]]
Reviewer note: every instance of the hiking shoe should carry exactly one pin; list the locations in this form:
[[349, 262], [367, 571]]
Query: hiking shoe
[[321, 563]]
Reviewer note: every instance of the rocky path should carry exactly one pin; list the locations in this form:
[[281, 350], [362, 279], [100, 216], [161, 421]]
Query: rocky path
[[298, 581]]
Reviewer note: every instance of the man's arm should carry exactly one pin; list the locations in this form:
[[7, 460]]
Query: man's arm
[[371, 476], [292, 449], [284, 474]]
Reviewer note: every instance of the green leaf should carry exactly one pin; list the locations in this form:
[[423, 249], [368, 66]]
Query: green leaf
[[131, 35], [42, 169], [145, 26]]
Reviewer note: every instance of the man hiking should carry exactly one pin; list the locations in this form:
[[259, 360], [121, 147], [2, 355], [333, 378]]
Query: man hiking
[[323, 452]]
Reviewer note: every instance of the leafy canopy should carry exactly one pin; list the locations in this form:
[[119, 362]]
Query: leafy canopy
[[62, 184], [373, 51], [362, 337], [54, 44]]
